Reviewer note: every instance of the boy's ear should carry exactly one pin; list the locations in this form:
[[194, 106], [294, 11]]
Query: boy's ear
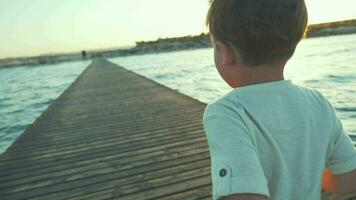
[[227, 53]]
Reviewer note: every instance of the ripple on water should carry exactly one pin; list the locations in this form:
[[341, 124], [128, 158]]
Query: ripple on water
[[8, 132], [312, 81], [341, 78], [28, 91], [346, 109], [353, 137], [42, 104]]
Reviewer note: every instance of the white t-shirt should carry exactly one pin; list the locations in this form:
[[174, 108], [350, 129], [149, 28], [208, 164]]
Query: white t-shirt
[[275, 139]]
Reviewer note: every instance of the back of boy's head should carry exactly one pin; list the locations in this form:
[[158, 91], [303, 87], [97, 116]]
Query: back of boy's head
[[262, 31]]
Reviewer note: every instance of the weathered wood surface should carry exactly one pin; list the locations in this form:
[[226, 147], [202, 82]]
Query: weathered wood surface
[[111, 135]]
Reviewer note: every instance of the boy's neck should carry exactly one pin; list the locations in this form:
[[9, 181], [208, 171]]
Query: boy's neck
[[259, 74]]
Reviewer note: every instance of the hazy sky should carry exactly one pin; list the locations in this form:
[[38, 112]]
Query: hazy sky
[[32, 27]]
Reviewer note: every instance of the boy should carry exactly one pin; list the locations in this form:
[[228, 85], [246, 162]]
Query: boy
[[269, 138]]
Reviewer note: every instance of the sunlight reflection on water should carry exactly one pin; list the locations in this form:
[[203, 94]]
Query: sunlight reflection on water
[[326, 64]]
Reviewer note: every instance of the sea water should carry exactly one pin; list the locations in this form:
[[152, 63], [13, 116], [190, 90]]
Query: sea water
[[26, 91], [327, 64]]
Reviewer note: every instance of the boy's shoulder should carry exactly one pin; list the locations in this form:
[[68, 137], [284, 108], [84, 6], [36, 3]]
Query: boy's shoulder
[[235, 102], [223, 106], [317, 98], [311, 91]]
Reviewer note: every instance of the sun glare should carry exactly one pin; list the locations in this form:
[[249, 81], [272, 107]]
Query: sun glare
[[45, 26]]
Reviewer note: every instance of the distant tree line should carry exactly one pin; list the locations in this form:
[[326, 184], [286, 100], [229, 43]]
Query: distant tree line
[[167, 45]]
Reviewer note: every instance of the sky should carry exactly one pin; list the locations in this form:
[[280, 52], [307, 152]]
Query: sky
[[36, 27]]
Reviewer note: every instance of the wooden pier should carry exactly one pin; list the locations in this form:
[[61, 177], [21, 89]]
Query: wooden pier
[[112, 134]]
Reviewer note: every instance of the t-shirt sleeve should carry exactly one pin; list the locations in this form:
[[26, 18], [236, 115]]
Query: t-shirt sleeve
[[236, 167], [342, 157]]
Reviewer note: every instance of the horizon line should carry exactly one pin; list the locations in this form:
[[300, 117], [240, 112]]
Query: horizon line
[[57, 53]]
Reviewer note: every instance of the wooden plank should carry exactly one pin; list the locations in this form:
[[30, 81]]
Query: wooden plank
[[192, 194], [169, 145], [101, 179], [107, 165], [98, 164], [134, 183], [162, 191], [111, 134], [139, 138]]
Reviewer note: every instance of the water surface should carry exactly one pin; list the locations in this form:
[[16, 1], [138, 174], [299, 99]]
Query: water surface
[[327, 64]]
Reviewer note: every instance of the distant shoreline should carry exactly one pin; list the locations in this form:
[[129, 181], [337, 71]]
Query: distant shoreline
[[166, 45], [332, 28]]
